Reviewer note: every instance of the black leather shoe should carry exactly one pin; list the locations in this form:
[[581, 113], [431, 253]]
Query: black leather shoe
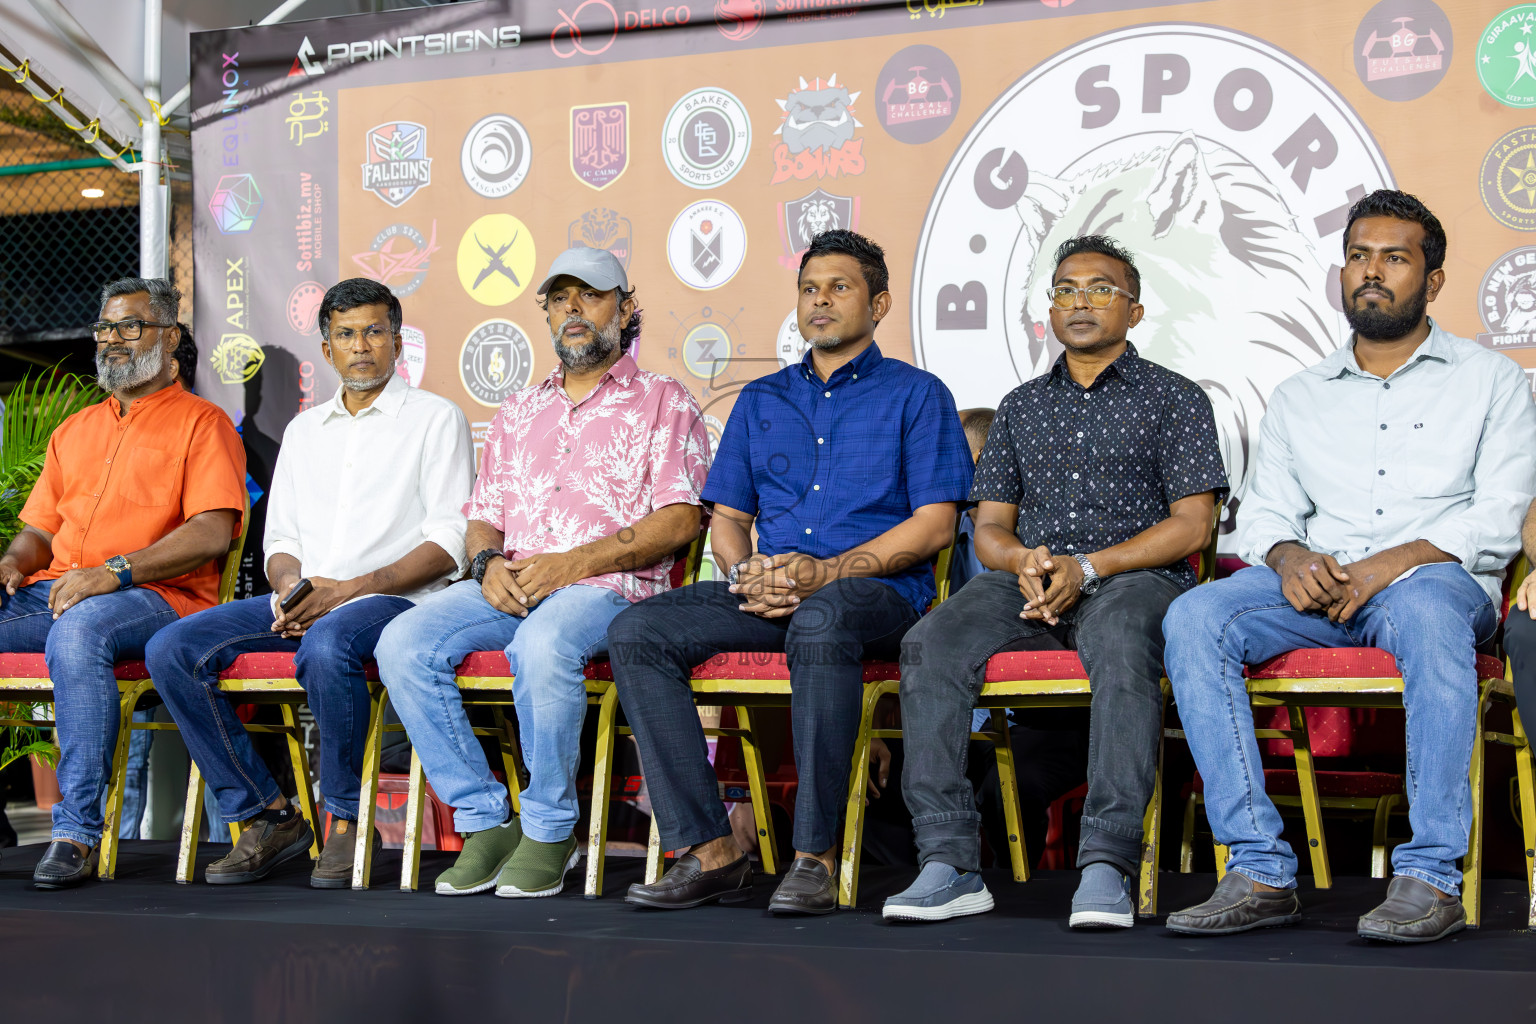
[[689, 885], [1414, 911], [1236, 906], [63, 866], [808, 888]]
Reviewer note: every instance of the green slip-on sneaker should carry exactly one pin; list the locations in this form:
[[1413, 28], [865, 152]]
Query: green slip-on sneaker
[[537, 869], [485, 853]]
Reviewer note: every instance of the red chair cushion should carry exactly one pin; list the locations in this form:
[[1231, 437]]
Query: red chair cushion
[[1349, 663], [1014, 665], [32, 666], [1285, 782], [273, 665], [730, 665], [1330, 731]]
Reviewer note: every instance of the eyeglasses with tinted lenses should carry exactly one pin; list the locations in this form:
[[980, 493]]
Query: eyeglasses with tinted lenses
[[1099, 295], [128, 330]]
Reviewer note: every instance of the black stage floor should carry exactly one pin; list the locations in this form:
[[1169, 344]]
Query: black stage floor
[[144, 948]]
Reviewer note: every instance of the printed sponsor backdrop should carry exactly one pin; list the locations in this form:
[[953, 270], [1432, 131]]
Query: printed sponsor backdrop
[[452, 152]]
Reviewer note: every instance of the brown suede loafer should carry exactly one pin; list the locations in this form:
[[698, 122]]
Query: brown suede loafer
[[807, 888], [1235, 907], [689, 885], [262, 847], [334, 868], [1414, 911]]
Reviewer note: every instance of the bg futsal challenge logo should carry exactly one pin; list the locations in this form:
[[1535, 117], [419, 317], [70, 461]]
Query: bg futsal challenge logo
[[1224, 164]]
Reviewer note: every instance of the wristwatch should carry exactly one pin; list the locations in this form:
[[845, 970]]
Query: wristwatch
[[121, 568], [1091, 579], [734, 572], [477, 567]]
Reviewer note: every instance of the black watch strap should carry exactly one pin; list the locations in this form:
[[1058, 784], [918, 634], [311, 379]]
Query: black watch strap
[[477, 567]]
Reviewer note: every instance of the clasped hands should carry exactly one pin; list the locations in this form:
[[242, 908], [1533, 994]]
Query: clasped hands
[[1316, 582], [517, 587], [1050, 585], [772, 586], [327, 595]]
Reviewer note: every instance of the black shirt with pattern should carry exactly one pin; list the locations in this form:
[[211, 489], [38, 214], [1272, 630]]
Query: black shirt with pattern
[[1092, 467]]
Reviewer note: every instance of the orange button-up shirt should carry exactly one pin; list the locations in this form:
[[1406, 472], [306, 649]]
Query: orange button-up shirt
[[115, 484]]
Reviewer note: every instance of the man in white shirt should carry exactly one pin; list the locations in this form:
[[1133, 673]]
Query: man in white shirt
[[364, 518], [1385, 504]]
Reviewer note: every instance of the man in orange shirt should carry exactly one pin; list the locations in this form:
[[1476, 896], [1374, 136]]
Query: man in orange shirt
[[140, 494]]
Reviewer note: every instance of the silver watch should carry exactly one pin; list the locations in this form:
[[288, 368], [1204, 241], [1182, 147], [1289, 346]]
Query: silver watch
[[734, 571], [1091, 579]]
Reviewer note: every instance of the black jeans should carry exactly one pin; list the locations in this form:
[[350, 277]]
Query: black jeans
[[1119, 636], [654, 645], [1520, 642]]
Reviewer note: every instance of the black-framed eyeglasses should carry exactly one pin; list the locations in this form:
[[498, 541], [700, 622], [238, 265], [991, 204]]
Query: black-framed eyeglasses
[[1099, 296], [128, 330]]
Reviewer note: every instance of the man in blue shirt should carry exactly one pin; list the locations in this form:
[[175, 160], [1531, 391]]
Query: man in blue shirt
[[851, 466], [1385, 503]]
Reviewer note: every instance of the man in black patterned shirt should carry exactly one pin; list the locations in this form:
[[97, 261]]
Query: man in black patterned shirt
[[1098, 480]]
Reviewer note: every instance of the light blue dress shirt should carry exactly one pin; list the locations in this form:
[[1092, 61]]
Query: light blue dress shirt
[[1443, 450]]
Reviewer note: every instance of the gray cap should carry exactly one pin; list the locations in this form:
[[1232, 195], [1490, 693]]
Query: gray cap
[[597, 267]]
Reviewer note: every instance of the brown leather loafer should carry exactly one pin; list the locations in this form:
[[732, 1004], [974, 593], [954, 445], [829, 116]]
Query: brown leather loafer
[[262, 847], [1235, 907], [1414, 911], [334, 868], [807, 889], [689, 885]]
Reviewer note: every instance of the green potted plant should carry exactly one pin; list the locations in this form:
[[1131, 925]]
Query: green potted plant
[[32, 412]]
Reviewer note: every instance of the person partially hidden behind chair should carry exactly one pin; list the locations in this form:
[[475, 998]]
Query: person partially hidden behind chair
[[1386, 500], [851, 465], [1099, 479], [589, 483], [363, 521], [139, 495]]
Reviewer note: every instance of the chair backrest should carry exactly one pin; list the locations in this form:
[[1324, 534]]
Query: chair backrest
[[1205, 561], [1518, 570], [229, 570], [941, 566], [687, 561]]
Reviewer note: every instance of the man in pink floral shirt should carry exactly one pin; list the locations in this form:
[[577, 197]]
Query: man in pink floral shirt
[[590, 480]]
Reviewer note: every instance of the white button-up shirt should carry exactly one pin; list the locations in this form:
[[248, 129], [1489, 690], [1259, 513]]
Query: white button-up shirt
[[1442, 450], [352, 494]]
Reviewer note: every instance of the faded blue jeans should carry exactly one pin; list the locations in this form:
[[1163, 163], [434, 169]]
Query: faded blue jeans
[[80, 647], [417, 656], [1430, 622]]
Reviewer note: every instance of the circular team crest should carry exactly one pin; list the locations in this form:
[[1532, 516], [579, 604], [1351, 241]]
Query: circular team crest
[[413, 355], [918, 94], [792, 345], [496, 360], [304, 306], [706, 245], [706, 138], [495, 156], [496, 259], [1226, 166], [1403, 48], [399, 258], [1506, 300], [1508, 180], [1506, 57], [707, 350]]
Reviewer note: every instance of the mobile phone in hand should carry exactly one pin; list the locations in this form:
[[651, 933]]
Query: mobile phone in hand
[[296, 595]]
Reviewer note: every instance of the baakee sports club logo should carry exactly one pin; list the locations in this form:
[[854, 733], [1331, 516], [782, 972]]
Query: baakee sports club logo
[[397, 165], [801, 220], [1225, 165], [706, 138], [399, 258], [603, 228], [739, 20], [600, 143], [818, 130]]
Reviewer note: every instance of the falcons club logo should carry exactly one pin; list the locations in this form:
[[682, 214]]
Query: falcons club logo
[[397, 163], [600, 143]]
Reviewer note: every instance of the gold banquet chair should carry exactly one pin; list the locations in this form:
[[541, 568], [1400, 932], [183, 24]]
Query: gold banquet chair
[[24, 678], [485, 679], [1018, 679]]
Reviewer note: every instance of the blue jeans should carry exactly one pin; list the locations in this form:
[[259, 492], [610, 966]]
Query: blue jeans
[[547, 650], [80, 648], [185, 660], [1430, 622]]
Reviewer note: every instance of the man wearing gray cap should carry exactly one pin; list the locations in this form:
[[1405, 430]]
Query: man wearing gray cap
[[589, 482]]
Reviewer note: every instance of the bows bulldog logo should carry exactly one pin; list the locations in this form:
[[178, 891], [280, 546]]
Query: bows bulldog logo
[[818, 130], [1226, 166], [397, 163]]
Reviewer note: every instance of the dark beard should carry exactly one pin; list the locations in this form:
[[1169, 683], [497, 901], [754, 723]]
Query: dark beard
[[1390, 322]]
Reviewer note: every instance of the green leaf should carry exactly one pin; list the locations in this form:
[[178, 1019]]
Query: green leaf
[[45, 751]]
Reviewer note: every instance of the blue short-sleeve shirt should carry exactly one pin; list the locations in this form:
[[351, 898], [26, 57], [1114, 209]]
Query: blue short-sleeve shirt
[[828, 465]]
